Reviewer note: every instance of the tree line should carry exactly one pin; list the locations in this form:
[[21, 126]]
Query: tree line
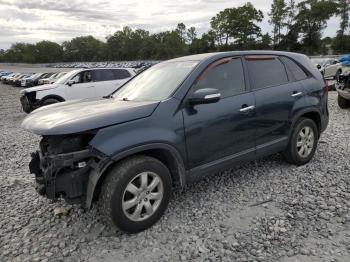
[[297, 27]]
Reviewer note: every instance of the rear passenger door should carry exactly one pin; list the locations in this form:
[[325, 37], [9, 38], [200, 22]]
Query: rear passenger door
[[109, 80], [277, 96], [121, 75], [104, 82]]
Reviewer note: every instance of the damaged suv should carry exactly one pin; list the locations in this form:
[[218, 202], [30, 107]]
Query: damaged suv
[[175, 123]]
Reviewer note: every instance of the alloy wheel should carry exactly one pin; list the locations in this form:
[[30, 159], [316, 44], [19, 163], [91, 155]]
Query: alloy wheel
[[142, 196], [305, 142]]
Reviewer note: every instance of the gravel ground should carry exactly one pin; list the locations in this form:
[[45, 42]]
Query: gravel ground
[[306, 216]]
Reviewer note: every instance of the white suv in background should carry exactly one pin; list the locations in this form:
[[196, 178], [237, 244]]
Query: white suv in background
[[77, 84], [330, 68]]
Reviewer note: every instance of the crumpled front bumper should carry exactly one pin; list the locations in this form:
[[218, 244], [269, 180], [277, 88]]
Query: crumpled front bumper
[[343, 88], [28, 106], [63, 175]]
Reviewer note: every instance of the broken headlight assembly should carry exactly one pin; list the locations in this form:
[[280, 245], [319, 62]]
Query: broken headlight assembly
[[62, 165]]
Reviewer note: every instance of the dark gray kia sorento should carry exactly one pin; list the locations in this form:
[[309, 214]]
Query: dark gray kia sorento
[[173, 124]]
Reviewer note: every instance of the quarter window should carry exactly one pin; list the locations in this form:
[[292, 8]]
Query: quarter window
[[120, 73], [265, 71], [297, 72], [225, 75]]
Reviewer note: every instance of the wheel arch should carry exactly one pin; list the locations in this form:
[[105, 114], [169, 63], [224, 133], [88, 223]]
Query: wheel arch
[[57, 97], [312, 114], [165, 153]]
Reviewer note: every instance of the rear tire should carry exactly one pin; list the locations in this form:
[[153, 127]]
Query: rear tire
[[49, 101], [128, 199], [303, 142], [343, 103]]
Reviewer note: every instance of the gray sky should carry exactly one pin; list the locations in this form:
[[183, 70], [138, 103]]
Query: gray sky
[[31, 21]]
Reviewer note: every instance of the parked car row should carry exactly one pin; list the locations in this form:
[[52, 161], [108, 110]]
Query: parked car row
[[4, 73], [14, 78], [124, 64]]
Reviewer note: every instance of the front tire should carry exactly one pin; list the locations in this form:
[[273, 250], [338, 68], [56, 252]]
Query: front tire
[[303, 142], [49, 101], [135, 193], [343, 103]]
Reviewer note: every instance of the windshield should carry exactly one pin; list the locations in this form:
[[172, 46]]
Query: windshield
[[156, 83], [58, 76], [66, 77], [35, 75]]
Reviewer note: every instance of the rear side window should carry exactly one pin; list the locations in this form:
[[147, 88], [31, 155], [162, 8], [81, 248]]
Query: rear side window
[[266, 71], [224, 75], [103, 75], [297, 72], [120, 73]]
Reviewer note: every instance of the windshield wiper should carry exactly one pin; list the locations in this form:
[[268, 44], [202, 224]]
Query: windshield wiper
[[108, 96]]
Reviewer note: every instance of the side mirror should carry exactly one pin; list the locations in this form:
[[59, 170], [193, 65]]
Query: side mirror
[[71, 82], [318, 67], [205, 96]]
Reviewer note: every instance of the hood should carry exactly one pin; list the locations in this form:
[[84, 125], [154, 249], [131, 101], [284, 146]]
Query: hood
[[82, 115], [38, 88]]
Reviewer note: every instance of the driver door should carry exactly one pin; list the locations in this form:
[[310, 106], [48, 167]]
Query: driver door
[[220, 133], [82, 86]]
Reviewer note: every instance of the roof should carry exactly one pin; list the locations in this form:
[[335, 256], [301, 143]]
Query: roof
[[201, 57]]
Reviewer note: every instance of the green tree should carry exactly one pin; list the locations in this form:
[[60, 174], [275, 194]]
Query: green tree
[[289, 41], [265, 42], [221, 26], [239, 24], [20, 52], [312, 19], [127, 44], [84, 48], [278, 15], [191, 34], [48, 52], [181, 31], [341, 42], [204, 44]]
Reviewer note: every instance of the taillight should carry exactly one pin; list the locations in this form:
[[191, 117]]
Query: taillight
[[325, 88]]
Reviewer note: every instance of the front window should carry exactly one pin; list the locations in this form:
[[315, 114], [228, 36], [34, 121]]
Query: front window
[[156, 83], [66, 77], [82, 77], [225, 75]]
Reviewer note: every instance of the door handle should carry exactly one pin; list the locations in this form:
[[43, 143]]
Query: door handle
[[296, 94], [246, 108], [89, 86]]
